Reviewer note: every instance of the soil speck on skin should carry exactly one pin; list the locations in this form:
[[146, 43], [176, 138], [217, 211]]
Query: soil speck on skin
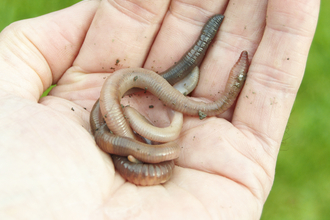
[[151, 106], [201, 115], [117, 62], [72, 109]]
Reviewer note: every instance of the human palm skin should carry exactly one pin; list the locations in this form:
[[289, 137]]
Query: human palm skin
[[50, 166]]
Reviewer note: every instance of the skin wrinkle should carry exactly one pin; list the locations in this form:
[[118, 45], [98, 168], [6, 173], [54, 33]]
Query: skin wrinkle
[[194, 196], [264, 139], [13, 48], [200, 8], [258, 164], [190, 20], [241, 40], [35, 71], [271, 80], [214, 171], [289, 25], [221, 42], [144, 15]]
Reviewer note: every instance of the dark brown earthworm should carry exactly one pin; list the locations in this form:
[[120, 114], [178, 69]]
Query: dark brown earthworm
[[95, 117], [195, 55]]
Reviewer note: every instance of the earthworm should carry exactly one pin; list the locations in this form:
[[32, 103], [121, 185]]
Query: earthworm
[[124, 146], [124, 79], [150, 174], [143, 174], [195, 55], [163, 155], [143, 127]]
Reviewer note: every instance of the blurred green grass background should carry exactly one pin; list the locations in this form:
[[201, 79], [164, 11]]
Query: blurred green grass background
[[302, 183]]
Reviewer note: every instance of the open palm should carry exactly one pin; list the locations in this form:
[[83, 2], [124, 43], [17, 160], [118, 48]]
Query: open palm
[[50, 166]]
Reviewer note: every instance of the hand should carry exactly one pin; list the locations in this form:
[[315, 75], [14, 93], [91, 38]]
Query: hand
[[50, 166]]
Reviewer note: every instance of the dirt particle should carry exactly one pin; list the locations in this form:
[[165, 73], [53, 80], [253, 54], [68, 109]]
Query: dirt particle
[[201, 115]]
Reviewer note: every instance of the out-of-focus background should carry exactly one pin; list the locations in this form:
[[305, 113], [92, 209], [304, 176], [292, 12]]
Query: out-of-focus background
[[302, 183]]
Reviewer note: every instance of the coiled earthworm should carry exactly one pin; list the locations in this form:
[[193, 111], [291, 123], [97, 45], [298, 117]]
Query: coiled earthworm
[[124, 79], [194, 56], [144, 128], [124, 146], [151, 174], [141, 125]]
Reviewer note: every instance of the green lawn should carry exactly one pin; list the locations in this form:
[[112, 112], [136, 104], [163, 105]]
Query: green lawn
[[302, 183]]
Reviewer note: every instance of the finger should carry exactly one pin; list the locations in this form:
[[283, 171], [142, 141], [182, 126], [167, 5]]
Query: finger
[[120, 35], [276, 71], [35, 53], [180, 30], [241, 30]]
